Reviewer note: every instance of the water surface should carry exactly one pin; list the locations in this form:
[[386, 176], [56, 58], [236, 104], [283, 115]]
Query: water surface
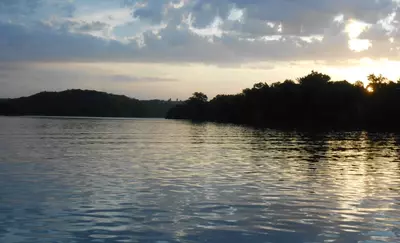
[[148, 180]]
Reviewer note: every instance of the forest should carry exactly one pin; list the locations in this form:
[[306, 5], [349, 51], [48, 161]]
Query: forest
[[312, 101], [87, 103]]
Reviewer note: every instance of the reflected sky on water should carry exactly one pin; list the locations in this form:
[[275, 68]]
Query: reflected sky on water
[[150, 180]]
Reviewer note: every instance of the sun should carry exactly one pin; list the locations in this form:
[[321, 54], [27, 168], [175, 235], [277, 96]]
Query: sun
[[370, 89]]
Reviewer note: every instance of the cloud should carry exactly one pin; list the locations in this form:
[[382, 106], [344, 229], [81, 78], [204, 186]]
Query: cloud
[[200, 31], [3, 76], [129, 78], [9, 67], [6, 69]]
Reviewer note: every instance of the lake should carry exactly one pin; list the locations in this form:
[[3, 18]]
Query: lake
[[151, 180]]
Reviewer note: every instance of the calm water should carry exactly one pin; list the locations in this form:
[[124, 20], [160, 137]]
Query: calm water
[[102, 180]]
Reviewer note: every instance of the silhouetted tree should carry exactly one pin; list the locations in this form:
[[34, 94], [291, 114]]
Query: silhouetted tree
[[198, 97], [314, 79], [373, 79], [359, 84], [376, 82], [313, 102]]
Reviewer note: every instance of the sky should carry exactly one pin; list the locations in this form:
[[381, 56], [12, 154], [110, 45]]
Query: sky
[[171, 48]]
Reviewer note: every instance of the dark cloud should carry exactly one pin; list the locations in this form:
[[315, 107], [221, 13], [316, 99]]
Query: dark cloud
[[305, 17], [68, 8], [169, 45], [19, 6], [147, 13], [82, 26], [375, 33], [42, 43], [309, 13], [250, 28], [93, 26]]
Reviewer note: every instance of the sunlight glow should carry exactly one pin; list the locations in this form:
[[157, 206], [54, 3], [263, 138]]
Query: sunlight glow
[[370, 89], [358, 69], [236, 15], [339, 18], [354, 29], [359, 45]]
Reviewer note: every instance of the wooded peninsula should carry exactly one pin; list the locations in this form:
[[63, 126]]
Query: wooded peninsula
[[87, 103], [312, 101]]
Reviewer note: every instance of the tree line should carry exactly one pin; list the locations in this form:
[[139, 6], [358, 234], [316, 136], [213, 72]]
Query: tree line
[[312, 101], [87, 103]]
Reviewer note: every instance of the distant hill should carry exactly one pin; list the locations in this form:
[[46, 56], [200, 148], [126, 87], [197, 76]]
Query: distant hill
[[84, 103]]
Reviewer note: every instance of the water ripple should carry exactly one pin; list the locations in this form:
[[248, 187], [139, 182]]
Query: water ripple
[[149, 180]]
